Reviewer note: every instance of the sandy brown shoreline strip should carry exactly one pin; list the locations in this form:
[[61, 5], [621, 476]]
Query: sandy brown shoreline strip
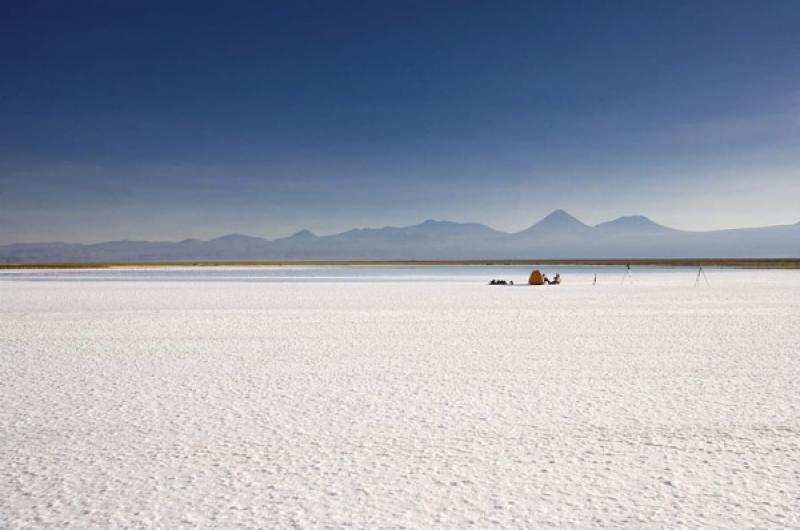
[[778, 263]]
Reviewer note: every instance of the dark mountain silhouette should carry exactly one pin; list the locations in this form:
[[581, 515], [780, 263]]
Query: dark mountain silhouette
[[558, 235]]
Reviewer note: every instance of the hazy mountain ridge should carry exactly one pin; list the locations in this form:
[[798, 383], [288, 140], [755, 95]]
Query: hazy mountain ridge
[[558, 235], [633, 224], [557, 222]]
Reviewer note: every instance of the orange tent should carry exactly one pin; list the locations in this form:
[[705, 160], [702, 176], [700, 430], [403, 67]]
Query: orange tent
[[536, 278]]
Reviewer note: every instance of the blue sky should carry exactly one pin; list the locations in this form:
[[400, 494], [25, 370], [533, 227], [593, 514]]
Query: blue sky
[[155, 121]]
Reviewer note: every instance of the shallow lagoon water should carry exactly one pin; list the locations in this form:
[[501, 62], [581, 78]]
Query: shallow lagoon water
[[427, 273]]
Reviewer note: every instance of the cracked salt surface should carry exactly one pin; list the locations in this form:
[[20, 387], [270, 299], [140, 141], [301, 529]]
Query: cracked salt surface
[[392, 404]]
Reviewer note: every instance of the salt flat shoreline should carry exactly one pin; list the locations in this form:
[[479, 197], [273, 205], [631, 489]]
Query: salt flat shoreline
[[448, 404], [737, 263]]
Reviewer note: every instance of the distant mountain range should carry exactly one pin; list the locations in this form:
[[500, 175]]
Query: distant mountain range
[[557, 236]]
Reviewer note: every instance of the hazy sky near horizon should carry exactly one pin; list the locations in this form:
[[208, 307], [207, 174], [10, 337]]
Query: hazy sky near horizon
[[167, 120]]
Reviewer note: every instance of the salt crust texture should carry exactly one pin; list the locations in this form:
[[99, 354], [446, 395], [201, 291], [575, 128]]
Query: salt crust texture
[[401, 404]]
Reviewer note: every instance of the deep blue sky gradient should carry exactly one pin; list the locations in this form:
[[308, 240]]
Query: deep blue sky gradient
[[171, 120]]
